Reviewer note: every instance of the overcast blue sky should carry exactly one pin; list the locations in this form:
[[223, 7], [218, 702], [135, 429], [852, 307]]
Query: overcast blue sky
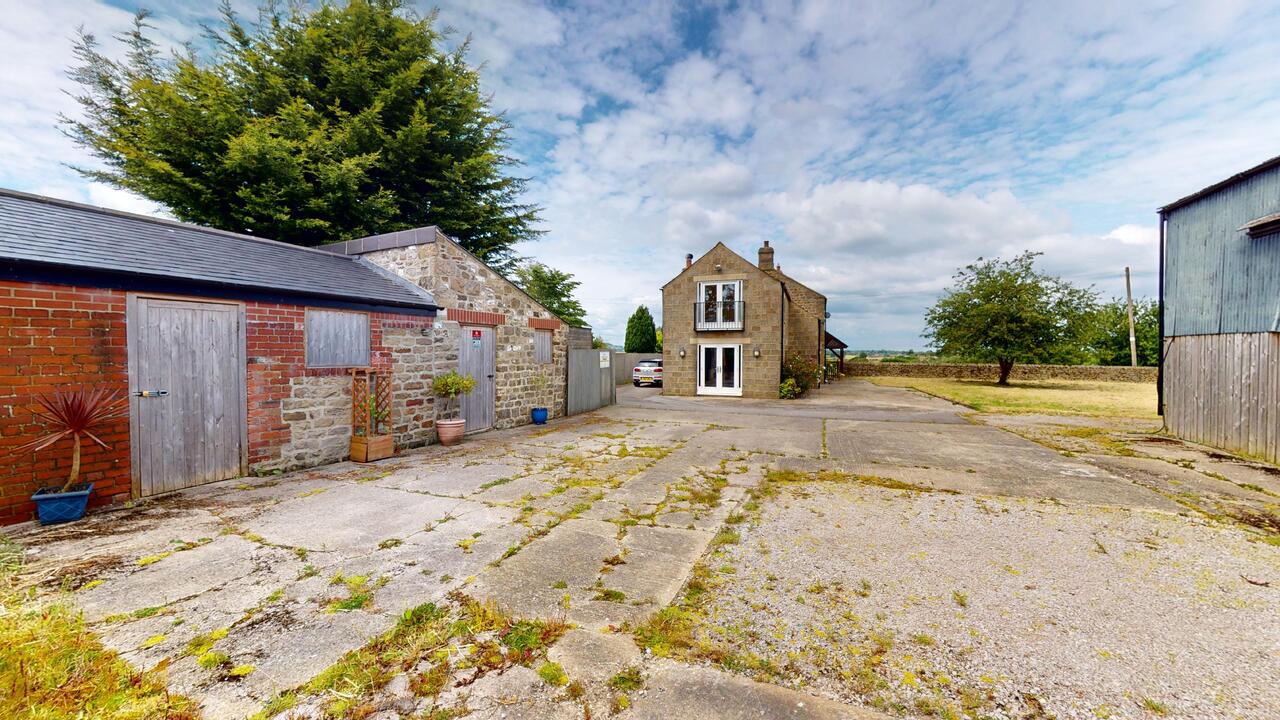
[[880, 145]]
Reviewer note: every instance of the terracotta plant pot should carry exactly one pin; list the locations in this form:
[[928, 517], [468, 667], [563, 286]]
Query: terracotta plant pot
[[367, 448], [450, 431]]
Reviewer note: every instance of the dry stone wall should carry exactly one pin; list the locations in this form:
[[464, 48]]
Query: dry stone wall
[[977, 371]]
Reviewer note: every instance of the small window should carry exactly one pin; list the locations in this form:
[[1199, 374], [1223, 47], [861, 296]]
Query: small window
[[542, 346], [337, 339]]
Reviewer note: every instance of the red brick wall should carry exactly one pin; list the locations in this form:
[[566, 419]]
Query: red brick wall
[[57, 337], [276, 352]]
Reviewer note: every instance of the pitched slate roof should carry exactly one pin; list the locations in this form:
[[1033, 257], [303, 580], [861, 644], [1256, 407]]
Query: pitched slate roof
[[50, 232]]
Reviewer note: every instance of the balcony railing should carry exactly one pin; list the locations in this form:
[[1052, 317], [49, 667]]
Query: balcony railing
[[723, 315]]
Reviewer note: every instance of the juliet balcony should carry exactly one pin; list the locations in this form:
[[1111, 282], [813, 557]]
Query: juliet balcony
[[722, 315]]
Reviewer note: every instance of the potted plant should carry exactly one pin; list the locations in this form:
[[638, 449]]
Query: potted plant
[[75, 415], [449, 386], [539, 414]]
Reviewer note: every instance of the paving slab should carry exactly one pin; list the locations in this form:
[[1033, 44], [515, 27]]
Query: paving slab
[[352, 516], [674, 690], [181, 575], [594, 656]]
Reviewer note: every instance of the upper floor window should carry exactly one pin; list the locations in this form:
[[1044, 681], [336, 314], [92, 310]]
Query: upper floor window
[[719, 305], [337, 339]]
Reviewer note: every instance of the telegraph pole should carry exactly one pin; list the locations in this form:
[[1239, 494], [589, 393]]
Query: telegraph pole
[[1133, 338]]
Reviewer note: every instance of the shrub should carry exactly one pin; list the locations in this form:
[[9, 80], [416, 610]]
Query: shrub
[[450, 385], [789, 390], [803, 370]]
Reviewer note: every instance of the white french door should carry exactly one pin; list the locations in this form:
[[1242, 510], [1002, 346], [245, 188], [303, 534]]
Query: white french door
[[719, 369]]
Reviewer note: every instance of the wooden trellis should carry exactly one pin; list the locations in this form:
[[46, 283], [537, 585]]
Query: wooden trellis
[[370, 402]]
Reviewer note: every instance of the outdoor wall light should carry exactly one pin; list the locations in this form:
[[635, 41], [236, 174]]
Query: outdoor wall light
[[681, 352], [755, 352], [717, 267]]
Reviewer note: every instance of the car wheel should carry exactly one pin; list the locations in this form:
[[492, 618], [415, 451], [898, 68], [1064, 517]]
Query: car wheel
[[636, 383], [658, 384]]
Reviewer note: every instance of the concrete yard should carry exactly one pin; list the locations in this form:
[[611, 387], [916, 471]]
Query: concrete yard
[[867, 552]]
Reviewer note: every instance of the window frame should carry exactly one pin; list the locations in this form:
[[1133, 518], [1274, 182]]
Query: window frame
[[720, 285], [308, 333], [538, 334]]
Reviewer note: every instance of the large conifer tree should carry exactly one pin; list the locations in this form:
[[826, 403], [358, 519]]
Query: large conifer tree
[[312, 125]]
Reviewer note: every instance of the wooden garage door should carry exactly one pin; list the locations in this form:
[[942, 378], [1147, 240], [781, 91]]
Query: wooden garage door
[[186, 393]]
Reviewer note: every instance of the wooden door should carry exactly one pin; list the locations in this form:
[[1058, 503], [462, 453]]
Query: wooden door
[[476, 357], [186, 393]]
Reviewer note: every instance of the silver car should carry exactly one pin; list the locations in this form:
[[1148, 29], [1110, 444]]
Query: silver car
[[647, 371]]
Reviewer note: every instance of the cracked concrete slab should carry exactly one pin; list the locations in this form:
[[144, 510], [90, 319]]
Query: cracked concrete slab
[[528, 517], [701, 693]]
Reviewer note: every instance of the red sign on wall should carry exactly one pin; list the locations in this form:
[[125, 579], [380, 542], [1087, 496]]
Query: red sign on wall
[[475, 334]]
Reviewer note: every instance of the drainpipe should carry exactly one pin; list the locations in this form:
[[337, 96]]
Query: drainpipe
[[1160, 313]]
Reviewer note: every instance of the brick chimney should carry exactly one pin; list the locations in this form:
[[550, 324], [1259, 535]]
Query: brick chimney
[[688, 261], [766, 257]]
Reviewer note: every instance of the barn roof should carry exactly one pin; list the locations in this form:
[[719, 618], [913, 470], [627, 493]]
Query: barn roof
[[46, 232], [1261, 167]]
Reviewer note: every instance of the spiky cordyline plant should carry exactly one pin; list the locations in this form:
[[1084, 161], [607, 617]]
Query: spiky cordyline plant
[[76, 414]]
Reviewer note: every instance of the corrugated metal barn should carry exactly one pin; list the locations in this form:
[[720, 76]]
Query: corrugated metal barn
[[1220, 294]]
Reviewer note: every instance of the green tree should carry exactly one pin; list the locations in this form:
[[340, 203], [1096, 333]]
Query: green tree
[[598, 343], [1111, 338], [554, 289], [658, 336], [1005, 311], [642, 336], [310, 126]]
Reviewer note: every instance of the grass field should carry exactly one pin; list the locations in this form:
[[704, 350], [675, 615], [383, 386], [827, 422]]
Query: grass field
[[1054, 397]]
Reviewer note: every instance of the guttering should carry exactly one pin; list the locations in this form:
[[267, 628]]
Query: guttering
[[1160, 316]]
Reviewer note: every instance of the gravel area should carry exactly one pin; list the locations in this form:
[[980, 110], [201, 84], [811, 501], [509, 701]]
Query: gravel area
[[943, 605]]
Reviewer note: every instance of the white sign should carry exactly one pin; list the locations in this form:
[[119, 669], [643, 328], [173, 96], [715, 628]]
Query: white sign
[[604, 358]]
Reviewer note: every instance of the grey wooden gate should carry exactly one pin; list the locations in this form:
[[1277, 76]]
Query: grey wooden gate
[[591, 383], [187, 417], [476, 358]]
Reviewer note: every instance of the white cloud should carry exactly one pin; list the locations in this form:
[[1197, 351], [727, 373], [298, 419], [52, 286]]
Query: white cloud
[[879, 144]]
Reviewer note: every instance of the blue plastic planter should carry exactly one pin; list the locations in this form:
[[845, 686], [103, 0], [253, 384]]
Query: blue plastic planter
[[53, 506], [539, 416]]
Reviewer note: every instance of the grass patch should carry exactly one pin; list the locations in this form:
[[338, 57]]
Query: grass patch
[[629, 680], [610, 595], [52, 666], [431, 642], [553, 674], [359, 593], [1154, 706], [1051, 397]]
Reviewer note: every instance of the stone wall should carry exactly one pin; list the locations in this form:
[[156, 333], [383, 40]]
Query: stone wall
[[977, 371], [762, 330], [806, 323], [300, 416], [471, 293]]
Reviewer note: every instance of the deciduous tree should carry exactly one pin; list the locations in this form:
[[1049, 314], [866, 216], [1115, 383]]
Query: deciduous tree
[[1005, 311], [554, 289]]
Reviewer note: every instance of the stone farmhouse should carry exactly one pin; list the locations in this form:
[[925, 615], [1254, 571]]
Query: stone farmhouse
[[728, 325], [237, 352]]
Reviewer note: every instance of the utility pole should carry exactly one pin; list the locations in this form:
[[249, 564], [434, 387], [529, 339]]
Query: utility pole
[[1133, 338]]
